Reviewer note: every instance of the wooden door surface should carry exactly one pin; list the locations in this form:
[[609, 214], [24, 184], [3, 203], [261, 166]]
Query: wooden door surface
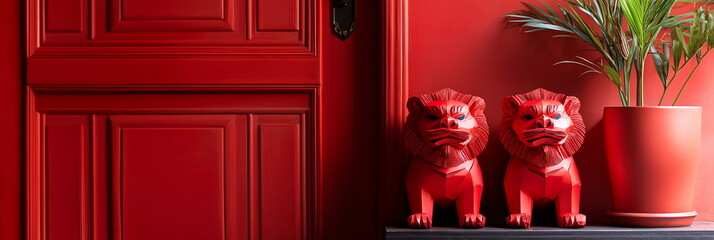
[[199, 119], [140, 164]]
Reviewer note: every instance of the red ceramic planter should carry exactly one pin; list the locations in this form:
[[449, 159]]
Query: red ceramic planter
[[653, 156]]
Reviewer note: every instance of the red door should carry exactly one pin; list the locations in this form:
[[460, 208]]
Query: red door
[[199, 119]]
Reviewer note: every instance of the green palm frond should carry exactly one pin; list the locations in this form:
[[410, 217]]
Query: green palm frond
[[572, 19], [625, 32]]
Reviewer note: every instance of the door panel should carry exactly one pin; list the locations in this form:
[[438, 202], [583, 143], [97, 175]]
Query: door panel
[[278, 15], [169, 173], [67, 171], [236, 27], [124, 166], [177, 10], [65, 16], [133, 16], [279, 165]]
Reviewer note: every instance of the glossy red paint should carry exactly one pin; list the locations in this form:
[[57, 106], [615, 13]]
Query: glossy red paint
[[444, 133], [11, 121], [117, 160], [229, 93]]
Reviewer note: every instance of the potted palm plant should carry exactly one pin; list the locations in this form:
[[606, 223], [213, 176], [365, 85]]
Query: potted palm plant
[[652, 151]]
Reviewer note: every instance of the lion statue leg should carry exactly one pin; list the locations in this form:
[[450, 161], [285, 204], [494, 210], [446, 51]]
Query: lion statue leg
[[520, 203], [468, 203], [568, 201], [421, 203], [422, 207]]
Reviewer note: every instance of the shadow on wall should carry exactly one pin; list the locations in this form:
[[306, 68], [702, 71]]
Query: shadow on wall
[[493, 163], [595, 192], [526, 64]]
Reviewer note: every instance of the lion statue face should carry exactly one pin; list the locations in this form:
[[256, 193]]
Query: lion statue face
[[541, 127], [447, 122], [446, 128], [542, 122]]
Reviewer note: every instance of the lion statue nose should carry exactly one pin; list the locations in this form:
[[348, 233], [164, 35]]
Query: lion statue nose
[[448, 123], [544, 122]]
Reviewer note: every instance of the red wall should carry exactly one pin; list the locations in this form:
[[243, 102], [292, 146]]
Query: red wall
[[464, 45], [10, 120], [350, 75]]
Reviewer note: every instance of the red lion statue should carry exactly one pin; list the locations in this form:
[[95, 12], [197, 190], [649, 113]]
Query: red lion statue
[[542, 130], [444, 132]]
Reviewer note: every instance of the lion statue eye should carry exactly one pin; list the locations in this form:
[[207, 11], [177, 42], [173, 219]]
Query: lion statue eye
[[557, 116], [528, 117], [462, 117], [433, 117]]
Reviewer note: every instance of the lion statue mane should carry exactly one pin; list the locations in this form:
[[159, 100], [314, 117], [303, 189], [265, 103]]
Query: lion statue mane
[[445, 156], [544, 155]]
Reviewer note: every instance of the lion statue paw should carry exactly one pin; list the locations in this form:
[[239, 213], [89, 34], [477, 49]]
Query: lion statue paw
[[473, 220], [519, 220], [419, 220], [571, 220]]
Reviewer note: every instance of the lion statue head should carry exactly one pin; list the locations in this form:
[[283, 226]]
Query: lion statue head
[[446, 128], [541, 127]]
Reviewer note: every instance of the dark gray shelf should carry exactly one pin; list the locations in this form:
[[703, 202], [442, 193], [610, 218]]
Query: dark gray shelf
[[698, 230]]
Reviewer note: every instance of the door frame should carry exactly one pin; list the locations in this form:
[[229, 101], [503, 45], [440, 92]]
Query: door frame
[[394, 94]]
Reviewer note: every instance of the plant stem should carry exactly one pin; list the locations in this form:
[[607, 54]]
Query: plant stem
[[662, 97], [689, 77], [685, 84], [667, 85], [640, 71], [676, 71], [626, 81], [622, 97]]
